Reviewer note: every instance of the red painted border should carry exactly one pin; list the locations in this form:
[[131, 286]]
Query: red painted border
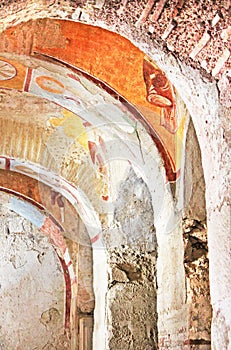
[[171, 176], [68, 292], [66, 274], [28, 79]]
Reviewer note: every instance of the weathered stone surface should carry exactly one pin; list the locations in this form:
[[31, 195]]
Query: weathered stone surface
[[134, 213], [118, 275], [224, 86], [131, 300], [196, 264], [194, 183], [132, 317]]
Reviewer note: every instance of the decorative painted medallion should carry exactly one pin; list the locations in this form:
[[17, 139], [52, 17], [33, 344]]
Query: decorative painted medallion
[[7, 70]]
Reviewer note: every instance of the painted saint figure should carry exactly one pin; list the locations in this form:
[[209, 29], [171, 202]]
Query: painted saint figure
[[160, 93]]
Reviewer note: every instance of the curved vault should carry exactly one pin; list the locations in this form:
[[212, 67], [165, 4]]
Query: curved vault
[[101, 122], [161, 109], [40, 204], [101, 126]]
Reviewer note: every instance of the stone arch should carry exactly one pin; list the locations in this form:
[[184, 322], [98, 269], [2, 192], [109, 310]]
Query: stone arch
[[163, 195], [59, 313], [39, 191], [211, 122], [52, 179]]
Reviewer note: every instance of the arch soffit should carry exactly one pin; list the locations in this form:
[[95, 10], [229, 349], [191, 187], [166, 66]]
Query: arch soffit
[[35, 213], [122, 66], [191, 86], [167, 123]]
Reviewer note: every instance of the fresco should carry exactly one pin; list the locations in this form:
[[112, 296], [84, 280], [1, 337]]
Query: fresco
[[31, 208], [49, 228], [124, 68], [60, 187], [12, 74], [7, 71], [160, 93]]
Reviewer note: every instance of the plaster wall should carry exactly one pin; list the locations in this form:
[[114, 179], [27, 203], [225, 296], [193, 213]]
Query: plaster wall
[[32, 292], [212, 125]]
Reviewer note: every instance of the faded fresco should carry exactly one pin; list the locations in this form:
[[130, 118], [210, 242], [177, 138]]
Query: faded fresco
[[160, 93], [32, 293], [86, 48], [59, 185], [47, 226]]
